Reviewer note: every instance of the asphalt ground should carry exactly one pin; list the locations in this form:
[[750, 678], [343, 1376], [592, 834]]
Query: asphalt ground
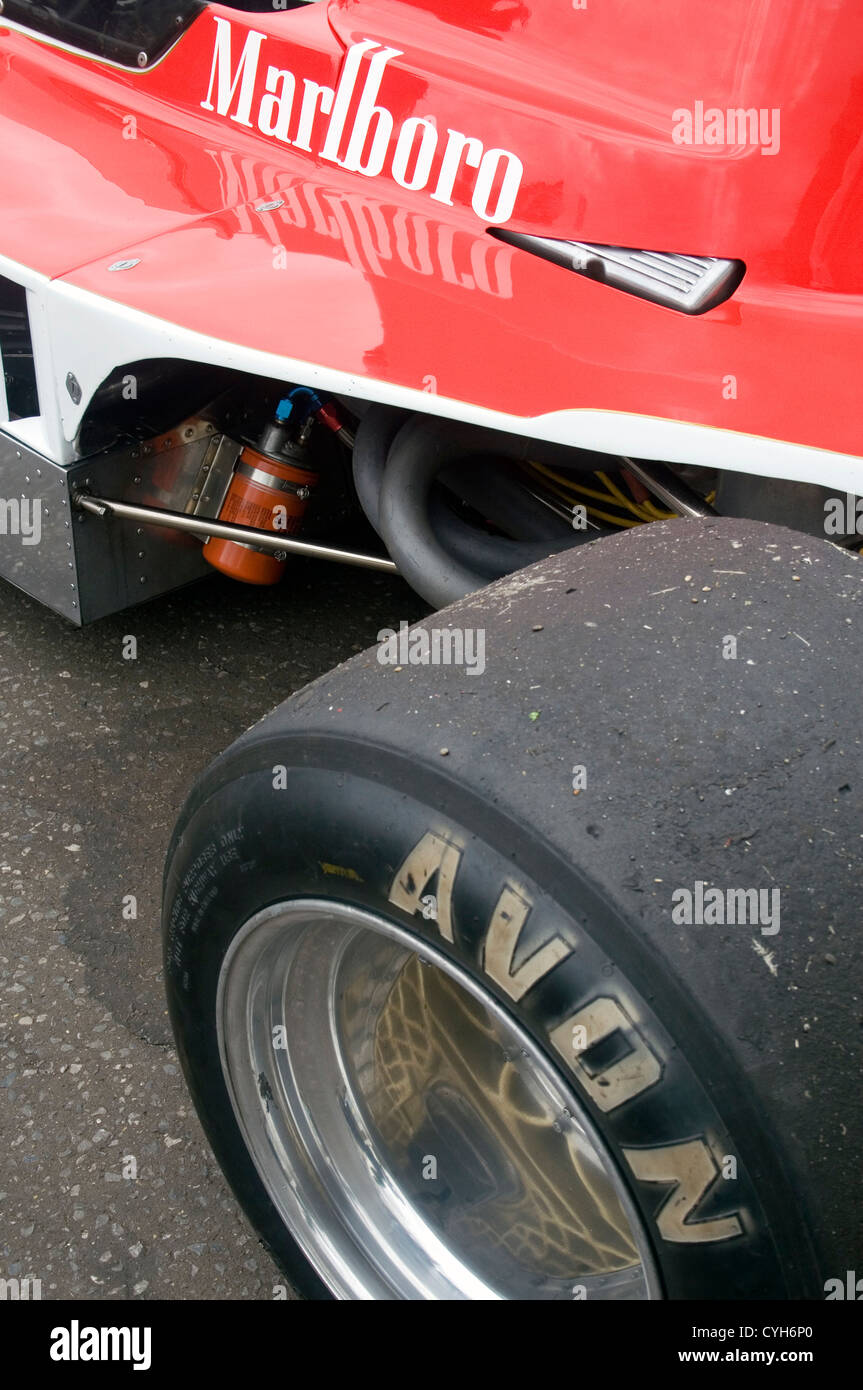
[[108, 1189]]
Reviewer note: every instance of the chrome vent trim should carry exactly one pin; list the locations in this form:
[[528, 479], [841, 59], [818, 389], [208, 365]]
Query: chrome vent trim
[[689, 284]]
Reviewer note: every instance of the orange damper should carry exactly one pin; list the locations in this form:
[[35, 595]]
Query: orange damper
[[270, 495]]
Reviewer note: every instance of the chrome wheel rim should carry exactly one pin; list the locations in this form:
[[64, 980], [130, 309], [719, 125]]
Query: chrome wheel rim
[[413, 1138]]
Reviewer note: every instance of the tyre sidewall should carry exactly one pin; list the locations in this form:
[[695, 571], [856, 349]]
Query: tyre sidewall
[[287, 822]]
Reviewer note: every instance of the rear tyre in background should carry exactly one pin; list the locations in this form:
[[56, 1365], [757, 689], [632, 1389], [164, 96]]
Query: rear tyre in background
[[444, 1021]]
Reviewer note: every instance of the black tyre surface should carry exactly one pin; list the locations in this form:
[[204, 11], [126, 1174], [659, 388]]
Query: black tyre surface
[[723, 1062]]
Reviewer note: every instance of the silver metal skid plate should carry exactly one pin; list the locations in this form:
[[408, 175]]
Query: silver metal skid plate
[[85, 567]]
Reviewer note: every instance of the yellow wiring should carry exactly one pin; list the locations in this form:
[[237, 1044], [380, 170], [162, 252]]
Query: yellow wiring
[[616, 492], [558, 477], [565, 488], [593, 511], [614, 520], [613, 517], [637, 508], [656, 513], [581, 490], [614, 496], [569, 491]]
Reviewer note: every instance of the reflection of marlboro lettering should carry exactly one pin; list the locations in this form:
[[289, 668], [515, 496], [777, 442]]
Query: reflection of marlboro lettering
[[353, 129], [372, 232]]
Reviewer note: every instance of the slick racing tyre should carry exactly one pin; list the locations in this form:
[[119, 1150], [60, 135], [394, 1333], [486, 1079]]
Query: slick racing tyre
[[454, 1010]]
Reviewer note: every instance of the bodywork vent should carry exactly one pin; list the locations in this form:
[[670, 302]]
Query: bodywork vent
[[16, 352], [689, 284]]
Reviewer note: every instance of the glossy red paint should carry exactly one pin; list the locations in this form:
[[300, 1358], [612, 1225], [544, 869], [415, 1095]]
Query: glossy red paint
[[364, 275]]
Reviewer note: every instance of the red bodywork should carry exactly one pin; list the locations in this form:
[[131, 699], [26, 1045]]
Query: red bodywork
[[361, 274]]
